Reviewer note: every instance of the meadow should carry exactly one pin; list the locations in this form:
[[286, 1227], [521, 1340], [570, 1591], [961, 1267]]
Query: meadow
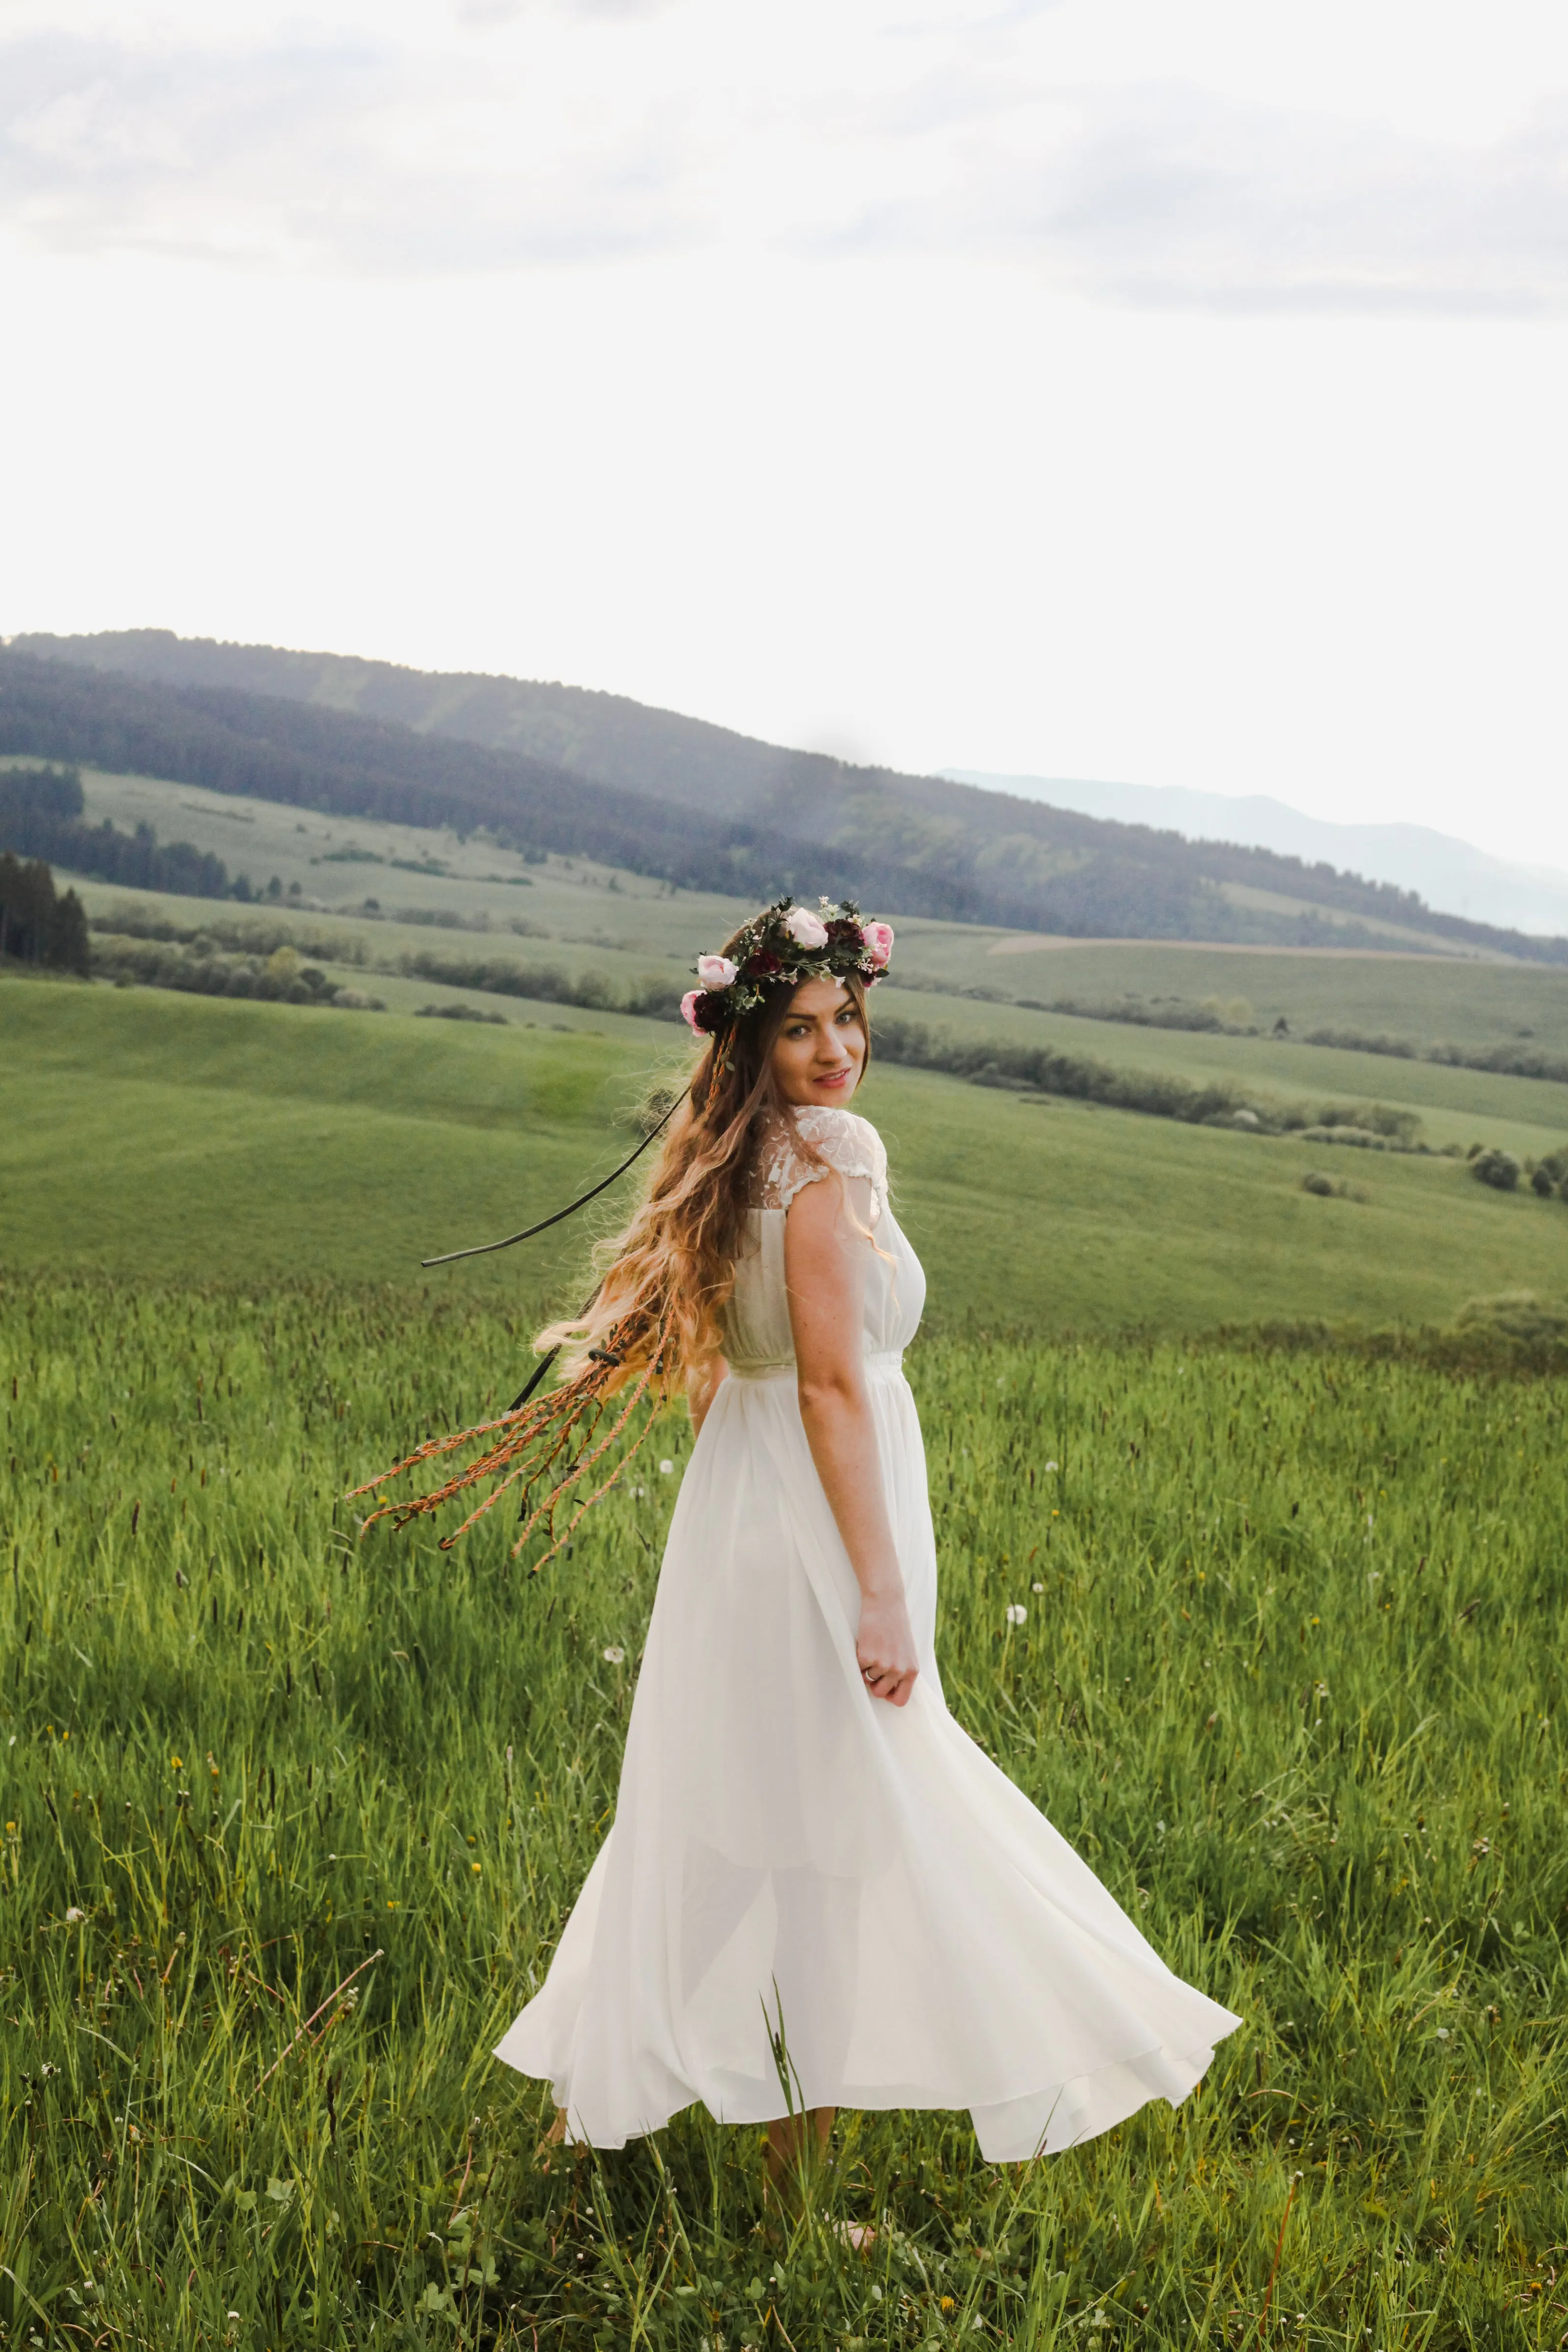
[[151, 1133], [292, 1818]]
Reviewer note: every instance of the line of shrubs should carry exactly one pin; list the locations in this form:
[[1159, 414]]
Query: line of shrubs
[[201, 969], [1233, 1017], [1511, 1059], [652, 998], [240, 935], [1501, 1170], [1043, 1070]]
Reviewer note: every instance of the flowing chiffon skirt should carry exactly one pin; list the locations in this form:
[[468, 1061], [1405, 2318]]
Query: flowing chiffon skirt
[[794, 1863]]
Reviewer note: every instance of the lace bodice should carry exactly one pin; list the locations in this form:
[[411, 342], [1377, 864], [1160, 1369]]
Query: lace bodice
[[758, 1341], [838, 1137]]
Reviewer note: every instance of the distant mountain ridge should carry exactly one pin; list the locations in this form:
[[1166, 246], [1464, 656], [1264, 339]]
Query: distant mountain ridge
[[613, 779], [1449, 874]]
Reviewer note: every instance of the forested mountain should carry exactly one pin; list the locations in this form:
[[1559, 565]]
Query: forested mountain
[[596, 774]]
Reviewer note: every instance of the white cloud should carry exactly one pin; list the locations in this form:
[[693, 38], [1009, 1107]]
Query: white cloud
[[509, 132]]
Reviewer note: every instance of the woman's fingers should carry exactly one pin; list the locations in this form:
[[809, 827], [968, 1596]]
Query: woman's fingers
[[891, 1682]]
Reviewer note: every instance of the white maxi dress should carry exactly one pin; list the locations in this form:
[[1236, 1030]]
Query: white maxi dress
[[789, 1851]]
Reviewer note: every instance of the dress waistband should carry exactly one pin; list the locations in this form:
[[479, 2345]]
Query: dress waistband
[[782, 1368]]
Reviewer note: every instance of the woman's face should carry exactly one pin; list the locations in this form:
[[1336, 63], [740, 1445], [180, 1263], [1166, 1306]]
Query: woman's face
[[820, 1051]]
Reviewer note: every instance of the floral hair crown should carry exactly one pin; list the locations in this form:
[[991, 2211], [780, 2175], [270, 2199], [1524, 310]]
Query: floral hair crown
[[785, 942]]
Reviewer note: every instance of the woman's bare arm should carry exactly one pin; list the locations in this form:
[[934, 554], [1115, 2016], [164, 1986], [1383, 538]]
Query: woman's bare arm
[[702, 1388], [825, 1270]]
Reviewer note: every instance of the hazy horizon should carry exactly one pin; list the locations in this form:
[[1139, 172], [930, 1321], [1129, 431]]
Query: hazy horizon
[[1083, 389]]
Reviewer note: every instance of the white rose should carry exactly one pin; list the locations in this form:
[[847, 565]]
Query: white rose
[[806, 929]]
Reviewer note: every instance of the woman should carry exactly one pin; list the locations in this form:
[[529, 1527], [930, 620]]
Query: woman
[[817, 1891]]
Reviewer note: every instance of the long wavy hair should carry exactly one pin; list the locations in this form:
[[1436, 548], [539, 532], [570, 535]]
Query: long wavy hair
[[655, 1315], [665, 1277]]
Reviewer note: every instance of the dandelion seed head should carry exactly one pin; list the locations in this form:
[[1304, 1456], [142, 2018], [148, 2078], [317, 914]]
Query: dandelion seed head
[[1037, 1586], [1017, 1612], [615, 1656], [74, 1916], [665, 1468], [1050, 1467]]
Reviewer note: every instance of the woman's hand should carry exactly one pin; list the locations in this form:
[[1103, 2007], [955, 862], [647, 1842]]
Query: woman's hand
[[885, 1647]]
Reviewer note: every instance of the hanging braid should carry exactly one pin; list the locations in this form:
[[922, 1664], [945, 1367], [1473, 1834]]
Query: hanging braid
[[533, 1451]]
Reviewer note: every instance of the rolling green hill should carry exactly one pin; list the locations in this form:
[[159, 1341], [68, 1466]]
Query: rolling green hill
[[419, 911], [245, 1143], [668, 795]]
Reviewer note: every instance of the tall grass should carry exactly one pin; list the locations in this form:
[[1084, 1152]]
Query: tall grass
[[1290, 1678]]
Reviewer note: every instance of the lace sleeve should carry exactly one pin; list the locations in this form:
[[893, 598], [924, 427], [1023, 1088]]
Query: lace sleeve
[[833, 1139]]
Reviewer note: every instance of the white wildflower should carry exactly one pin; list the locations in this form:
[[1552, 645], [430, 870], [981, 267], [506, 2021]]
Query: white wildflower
[[1017, 1612], [1050, 1467], [615, 1656], [665, 1468], [74, 1916], [1037, 1586]]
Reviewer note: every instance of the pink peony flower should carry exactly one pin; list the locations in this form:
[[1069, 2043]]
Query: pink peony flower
[[715, 972], [878, 938], [688, 1004], [806, 929]]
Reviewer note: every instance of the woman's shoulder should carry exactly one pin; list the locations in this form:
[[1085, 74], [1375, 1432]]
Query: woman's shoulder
[[844, 1140], [797, 1147]]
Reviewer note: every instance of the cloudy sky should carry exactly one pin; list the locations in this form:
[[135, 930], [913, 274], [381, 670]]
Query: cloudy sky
[[1089, 387]]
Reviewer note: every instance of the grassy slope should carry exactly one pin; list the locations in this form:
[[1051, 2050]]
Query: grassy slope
[[147, 1132], [1426, 996], [581, 915], [1523, 1115], [264, 838], [1412, 996], [1308, 1724]]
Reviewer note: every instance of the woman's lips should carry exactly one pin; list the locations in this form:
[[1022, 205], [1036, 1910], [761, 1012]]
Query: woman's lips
[[832, 1079]]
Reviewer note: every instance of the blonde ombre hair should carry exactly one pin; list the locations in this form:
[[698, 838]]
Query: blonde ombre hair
[[667, 1276], [654, 1318]]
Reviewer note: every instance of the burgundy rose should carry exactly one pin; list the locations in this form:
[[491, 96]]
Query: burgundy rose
[[763, 965]]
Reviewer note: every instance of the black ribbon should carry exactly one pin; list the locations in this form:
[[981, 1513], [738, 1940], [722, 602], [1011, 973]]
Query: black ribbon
[[481, 1249]]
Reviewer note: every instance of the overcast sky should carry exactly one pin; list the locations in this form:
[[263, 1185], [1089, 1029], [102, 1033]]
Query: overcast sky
[[1101, 388]]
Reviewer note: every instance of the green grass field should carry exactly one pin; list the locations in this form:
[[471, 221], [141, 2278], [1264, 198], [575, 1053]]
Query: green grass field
[[1291, 1675], [292, 1822], [148, 1133]]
